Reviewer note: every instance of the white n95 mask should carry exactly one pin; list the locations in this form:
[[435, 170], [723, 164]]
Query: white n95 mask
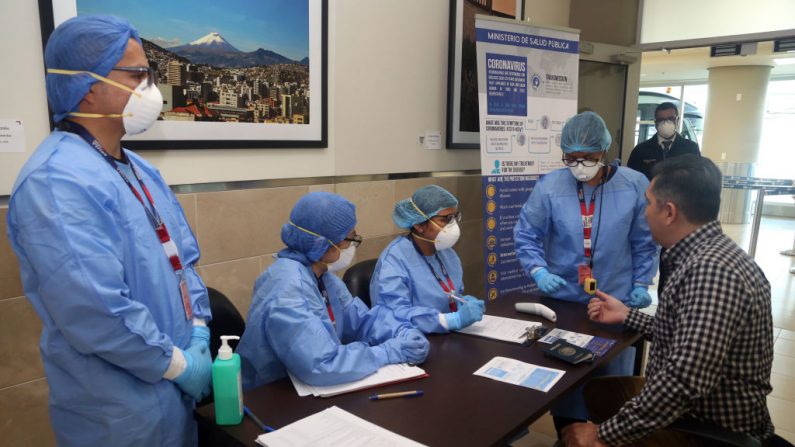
[[666, 129], [142, 109], [448, 236], [345, 259], [585, 173]]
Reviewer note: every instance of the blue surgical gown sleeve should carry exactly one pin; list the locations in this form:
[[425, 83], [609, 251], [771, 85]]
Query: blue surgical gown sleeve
[[71, 239], [200, 301], [373, 326], [533, 228], [645, 252], [390, 287], [303, 343]]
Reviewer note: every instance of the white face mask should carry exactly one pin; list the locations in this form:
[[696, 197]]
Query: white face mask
[[345, 259], [142, 109], [585, 173], [666, 129], [448, 236]]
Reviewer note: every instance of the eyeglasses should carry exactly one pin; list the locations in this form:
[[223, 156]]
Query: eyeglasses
[[151, 73], [356, 240], [587, 162], [447, 218], [670, 118]]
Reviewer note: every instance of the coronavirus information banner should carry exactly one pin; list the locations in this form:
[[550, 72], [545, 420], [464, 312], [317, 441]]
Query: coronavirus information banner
[[527, 89]]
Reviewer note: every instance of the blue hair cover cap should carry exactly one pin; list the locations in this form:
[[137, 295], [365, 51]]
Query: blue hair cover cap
[[328, 215], [91, 43]]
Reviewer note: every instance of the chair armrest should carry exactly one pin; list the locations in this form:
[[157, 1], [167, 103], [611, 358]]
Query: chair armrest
[[714, 434]]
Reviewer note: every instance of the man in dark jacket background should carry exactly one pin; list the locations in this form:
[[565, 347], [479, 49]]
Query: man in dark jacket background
[[666, 143]]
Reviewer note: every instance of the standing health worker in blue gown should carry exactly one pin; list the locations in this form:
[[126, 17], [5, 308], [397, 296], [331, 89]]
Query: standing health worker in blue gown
[[550, 236], [124, 338], [303, 319], [416, 273]]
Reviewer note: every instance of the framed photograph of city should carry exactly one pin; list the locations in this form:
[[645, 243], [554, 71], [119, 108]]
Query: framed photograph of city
[[462, 83], [233, 74]]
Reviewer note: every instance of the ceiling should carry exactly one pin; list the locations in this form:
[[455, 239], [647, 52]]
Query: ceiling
[[663, 67]]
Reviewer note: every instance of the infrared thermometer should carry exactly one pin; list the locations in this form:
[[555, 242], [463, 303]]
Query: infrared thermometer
[[537, 309]]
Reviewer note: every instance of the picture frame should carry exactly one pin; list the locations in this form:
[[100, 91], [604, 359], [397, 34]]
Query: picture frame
[[248, 97], [462, 90]]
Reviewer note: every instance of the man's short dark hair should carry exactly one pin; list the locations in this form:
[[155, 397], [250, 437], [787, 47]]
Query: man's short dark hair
[[665, 106], [693, 183]]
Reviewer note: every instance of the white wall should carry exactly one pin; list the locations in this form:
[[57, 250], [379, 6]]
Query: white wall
[[22, 93], [387, 86]]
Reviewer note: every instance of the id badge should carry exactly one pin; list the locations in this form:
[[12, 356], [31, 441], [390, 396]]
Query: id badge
[[183, 291], [583, 272]]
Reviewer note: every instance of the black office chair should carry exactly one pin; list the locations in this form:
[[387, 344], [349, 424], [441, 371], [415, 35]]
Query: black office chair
[[226, 321], [357, 278]]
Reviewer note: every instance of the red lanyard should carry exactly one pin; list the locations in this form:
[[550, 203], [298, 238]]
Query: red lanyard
[[587, 219], [448, 288], [169, 247], [322, 288]]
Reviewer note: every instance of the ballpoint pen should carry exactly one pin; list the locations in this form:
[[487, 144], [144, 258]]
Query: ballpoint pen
[[259, 423], [414, 393], [457, 298]]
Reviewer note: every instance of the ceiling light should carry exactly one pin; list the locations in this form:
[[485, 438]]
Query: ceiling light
[[785, 61]]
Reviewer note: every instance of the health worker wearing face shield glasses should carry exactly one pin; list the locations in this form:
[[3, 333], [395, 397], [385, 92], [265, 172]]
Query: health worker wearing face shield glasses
[[583, 227], [303, 320], [419, 275], [105, 252], [664, 144]]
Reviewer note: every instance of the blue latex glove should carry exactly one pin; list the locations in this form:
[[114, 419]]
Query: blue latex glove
[[548, 282], [638, 298], [195, 380], [468, 312], [409, 346], [200, 334], [415, 346]]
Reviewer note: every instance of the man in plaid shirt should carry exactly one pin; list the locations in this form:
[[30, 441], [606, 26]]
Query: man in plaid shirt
[[712, 335]]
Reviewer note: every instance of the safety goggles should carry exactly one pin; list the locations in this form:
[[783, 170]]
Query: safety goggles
[[151, 76], [447, 218], [587, 162], [149, 72]]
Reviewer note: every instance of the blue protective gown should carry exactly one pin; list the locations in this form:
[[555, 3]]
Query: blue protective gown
[[550, 234], [96, 274], [403, 282], [288, 328]]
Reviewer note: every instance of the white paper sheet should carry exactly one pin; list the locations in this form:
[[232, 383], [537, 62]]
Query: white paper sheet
[[520, 373], [574, 338], [384, 375], [334, 427], [501, 328], [12, 135]]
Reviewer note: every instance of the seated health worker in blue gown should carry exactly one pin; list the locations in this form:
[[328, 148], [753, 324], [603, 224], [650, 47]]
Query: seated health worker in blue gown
[[551, 242], [303, 319], [417, 272]]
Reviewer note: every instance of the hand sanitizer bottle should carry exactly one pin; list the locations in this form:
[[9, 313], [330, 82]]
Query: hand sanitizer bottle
[[227, 385]]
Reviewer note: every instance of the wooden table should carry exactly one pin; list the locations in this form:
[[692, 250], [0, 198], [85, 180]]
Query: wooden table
[[458, 408]]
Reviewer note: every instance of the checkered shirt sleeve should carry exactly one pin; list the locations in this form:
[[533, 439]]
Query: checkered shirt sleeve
[[640, 322], [713, 352]]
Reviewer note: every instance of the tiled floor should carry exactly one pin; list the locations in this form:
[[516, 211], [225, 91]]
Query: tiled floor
[[776, 234]]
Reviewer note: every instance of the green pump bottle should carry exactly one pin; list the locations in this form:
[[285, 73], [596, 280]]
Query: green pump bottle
[[227, 384]]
